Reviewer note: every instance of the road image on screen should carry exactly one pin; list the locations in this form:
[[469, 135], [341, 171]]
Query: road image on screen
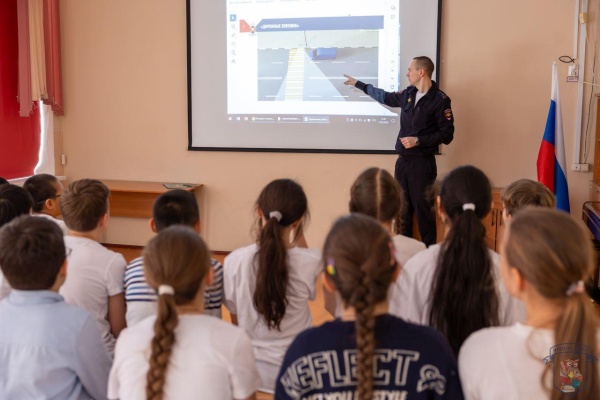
[[296, 54], [309, 65]]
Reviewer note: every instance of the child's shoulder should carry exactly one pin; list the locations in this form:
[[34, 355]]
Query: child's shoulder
[[306, 253], [241, 253], [136, 263], [69, 317], [485, 336]]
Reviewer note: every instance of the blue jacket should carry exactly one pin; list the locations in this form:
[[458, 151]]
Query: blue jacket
[[431, 120]]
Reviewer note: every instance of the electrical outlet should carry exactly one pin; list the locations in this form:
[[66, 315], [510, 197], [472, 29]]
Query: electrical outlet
[[585, 167], [576, 167]]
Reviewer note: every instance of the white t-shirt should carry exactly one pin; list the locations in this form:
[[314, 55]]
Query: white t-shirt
[[239, 281], [210, 359], [57, 221], [505, 363], [406, 248], [94, 273], [411, 300]]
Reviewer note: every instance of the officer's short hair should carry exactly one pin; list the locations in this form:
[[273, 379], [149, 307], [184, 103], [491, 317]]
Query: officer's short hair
[[425, 63]]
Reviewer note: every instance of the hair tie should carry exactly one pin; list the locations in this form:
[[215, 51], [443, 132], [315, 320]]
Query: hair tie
[[166, 289], [577, 287], [468, 206], [276, 214]]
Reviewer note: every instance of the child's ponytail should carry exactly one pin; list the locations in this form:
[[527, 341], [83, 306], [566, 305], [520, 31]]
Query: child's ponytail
[[281, 203], [463, 296], [176, 262], [272, 275]]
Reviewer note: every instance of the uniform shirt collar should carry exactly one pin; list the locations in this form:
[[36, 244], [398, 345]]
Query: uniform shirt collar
[[34, 297]]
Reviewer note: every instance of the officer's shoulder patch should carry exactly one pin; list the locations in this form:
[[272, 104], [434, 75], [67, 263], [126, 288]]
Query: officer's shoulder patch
[[448, 114], [442, 94]]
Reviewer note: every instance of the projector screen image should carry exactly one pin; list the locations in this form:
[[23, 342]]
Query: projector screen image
[[268, 75]]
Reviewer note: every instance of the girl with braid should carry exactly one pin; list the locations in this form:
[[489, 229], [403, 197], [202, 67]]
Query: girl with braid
[[267, 285], [377, 194], [367, 353], [455, 286], [546, 258], [181, 353]]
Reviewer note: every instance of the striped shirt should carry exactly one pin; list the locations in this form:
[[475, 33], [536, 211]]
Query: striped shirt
[[141, 298]]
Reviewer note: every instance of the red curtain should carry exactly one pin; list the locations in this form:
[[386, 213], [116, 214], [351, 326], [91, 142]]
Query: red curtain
[[19, 137], [52, 48]]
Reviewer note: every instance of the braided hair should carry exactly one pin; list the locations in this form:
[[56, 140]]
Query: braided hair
[[176, 262], [359, 262]]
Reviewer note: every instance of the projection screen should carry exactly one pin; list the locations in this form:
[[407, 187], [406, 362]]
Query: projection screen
[[267, 75]]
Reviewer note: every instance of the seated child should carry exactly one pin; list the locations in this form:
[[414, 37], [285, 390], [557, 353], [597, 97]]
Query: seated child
[[180, 353], [268, 284], [367, 354], [377, 194], [546, 257], [48, 348], [525, 192], [95, 279], [14, 201], [45, 190], [173, 207], [455, 286]]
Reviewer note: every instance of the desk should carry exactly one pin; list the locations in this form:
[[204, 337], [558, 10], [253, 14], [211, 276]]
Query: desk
[[135, 199]]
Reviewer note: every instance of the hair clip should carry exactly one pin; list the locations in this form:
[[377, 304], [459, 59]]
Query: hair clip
[[330, 269], [577, 287]]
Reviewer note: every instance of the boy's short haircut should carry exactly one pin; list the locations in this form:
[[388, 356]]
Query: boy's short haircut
[[526, 192], [32, 250], [175, 207], [83, 204], [14, 201], [3, 181], [41, 187]]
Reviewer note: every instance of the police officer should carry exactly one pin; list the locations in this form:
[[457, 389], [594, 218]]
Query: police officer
[[426, 122]]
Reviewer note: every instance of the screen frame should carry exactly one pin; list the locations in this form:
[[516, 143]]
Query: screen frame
[[283, 150]]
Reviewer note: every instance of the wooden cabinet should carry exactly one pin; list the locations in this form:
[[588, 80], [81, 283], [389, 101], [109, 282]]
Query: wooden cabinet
[[135, 199], [494, 224]]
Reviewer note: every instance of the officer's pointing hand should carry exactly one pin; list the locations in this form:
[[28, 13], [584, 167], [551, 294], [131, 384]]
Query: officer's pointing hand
[[350, 81]]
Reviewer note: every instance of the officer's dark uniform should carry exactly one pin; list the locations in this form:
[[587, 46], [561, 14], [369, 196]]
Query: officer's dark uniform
[[432, 122]]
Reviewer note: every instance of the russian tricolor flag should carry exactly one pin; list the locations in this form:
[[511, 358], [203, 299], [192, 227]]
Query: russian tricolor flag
[[551, 165]]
